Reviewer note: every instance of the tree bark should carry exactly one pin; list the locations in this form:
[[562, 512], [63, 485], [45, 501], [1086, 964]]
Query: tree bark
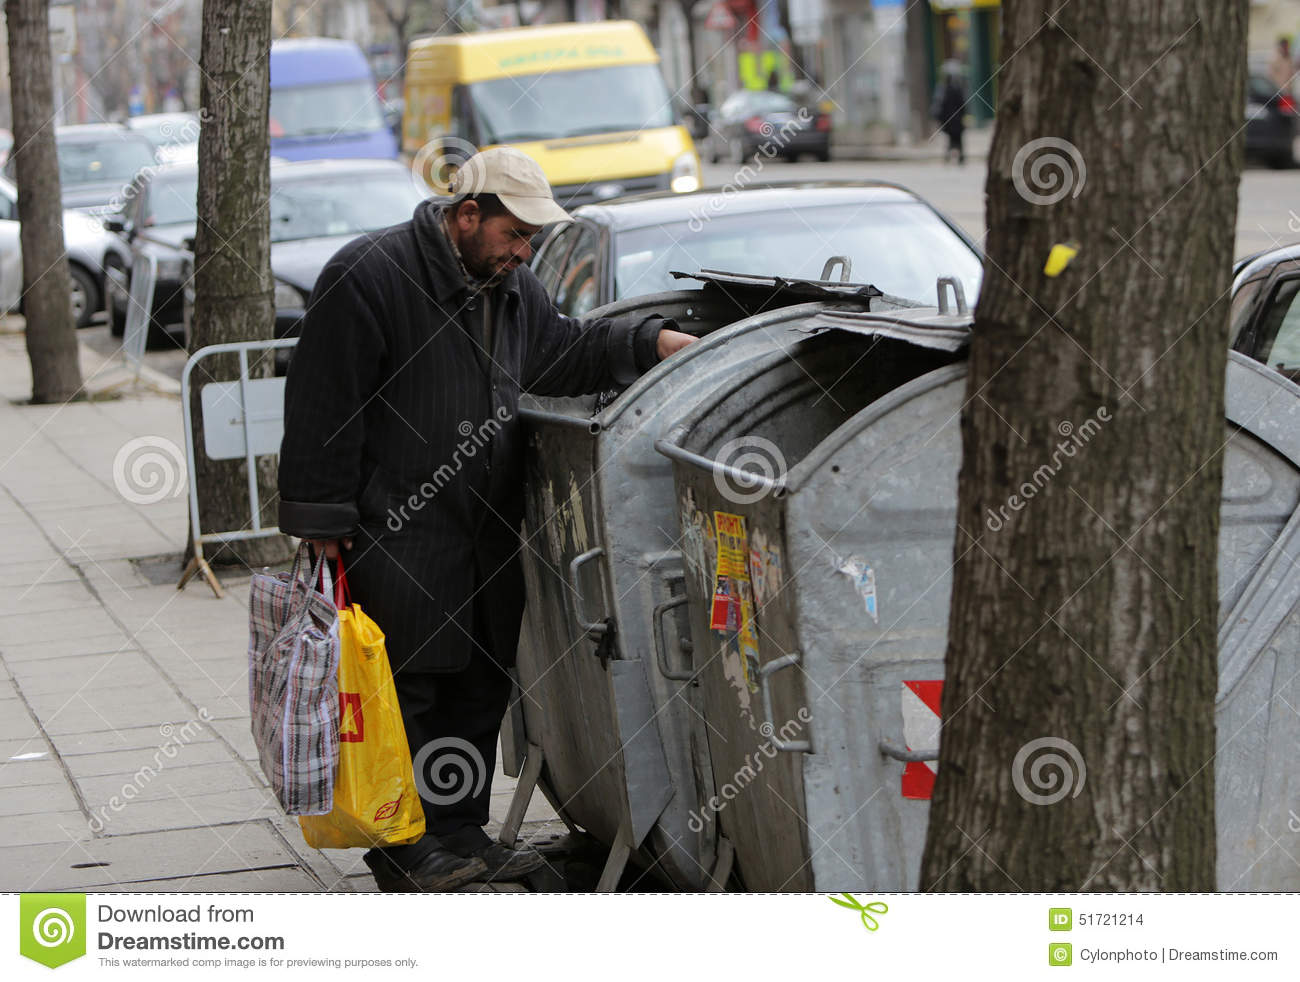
[[1078, 738], [232, 253], [47, 306], [920, 86]]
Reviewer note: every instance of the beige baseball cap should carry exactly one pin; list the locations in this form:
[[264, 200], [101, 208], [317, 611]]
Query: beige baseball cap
[[514, 177]]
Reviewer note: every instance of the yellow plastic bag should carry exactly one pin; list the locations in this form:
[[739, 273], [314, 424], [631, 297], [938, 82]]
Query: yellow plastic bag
[[376, 802]]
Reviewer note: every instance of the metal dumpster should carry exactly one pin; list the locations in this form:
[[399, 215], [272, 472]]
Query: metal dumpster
[[850, 552], [605, 722]]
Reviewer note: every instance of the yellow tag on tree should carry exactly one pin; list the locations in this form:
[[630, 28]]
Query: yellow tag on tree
[[376, 800]]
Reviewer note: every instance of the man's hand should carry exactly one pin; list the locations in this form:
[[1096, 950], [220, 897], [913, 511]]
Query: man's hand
[[670, 342], [329, 546]]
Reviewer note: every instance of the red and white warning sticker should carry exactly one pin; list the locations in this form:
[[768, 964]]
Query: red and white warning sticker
[[921, 702]]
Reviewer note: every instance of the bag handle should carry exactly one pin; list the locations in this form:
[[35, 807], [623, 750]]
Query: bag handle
[[296, 615], [342, 595]]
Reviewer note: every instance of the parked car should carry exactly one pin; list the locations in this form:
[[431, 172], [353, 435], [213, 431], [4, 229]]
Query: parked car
[[315, 207], [98, 162], [626, 248], [1270, 123], [752, 120], [324, 102], [175, 136], [6, 144], [86, 242], [1265, 318]]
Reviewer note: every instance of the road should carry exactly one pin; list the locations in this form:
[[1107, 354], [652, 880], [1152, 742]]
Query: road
[[1268, 212]]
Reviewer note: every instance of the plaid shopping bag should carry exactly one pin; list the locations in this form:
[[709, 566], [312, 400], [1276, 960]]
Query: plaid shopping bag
[[293, 684]]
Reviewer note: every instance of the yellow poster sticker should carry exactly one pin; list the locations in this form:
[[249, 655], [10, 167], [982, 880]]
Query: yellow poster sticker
[[732, 609]]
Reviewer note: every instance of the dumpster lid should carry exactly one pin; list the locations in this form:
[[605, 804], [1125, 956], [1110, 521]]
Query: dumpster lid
[[927, 327], [789, 286]]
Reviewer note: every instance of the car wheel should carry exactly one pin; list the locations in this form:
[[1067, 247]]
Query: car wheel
[[84, 294], [824, 155], [116, 302], [1282, 160]]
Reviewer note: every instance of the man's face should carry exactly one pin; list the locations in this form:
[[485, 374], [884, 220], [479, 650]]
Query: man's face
[[492, 247]]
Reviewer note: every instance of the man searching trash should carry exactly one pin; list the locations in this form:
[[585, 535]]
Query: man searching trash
[[403, 454]]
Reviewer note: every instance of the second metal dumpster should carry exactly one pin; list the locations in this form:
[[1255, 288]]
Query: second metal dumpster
[[850, 551]]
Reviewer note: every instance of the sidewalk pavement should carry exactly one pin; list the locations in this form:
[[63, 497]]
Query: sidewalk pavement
[[111, 778], [976, 142]]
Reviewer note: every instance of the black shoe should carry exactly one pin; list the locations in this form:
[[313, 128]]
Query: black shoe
[[503, 863], [439, 871]]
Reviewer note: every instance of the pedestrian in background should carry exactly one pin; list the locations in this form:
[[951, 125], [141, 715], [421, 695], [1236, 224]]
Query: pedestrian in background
[[948, 109], [403, 453], [1281, 69]]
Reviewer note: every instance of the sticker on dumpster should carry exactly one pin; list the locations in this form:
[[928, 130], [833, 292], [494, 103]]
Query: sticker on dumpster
[[921, 732], [864, 581], [732, 607]]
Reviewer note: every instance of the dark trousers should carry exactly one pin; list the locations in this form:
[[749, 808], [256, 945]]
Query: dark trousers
[[452, 722]]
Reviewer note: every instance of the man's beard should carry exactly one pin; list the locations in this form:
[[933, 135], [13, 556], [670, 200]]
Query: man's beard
[[483, 270]]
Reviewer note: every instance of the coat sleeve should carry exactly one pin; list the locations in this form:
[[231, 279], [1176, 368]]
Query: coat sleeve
[[335, 370], [568, 357]]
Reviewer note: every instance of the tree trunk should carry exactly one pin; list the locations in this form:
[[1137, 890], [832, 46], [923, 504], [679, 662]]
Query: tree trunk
[[1078, 738], [920, 85], [232, 252], [47, 303]]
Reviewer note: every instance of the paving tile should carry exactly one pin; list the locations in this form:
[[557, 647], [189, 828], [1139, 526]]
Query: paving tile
[[119, 668], [146, 856], [163, 780], [286, 880], [47, 649], [130, 738], [26, 773], [62, 826], [93, 710], [189, 811], [16, 723], [42, 597], [184, 755], [38, 799]]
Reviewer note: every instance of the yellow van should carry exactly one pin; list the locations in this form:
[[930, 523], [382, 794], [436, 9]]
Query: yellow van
[[586, 101]]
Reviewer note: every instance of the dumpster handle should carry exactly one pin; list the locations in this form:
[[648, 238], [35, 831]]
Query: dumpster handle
[[594, 629], [891, 749], [843, 262], [661, 651], [958, 292], [767, 727]]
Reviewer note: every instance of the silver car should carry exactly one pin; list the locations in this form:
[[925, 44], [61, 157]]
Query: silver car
[[86, 241]]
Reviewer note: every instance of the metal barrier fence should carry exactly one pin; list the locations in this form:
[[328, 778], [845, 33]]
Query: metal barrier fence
[[241, 418]]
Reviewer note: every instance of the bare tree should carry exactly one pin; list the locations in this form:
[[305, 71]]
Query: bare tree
[[47, 306], [232, 251], [1085, 600]]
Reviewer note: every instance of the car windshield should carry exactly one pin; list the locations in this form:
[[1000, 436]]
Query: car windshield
[[346, 204], [102, 161], [172, 201], [749, 103], [898, 247], [325, 110], [170, 131], [612, 99]]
